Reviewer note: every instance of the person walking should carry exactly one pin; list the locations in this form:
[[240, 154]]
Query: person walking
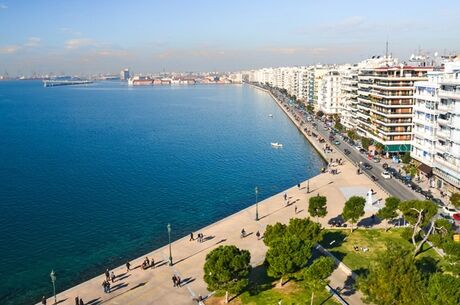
[[178, 280], [295, 210], [128, 267], [43, 300], [285, 196], [243, 233], [191, 237], [104, 285], [108, 287], [258, 235], [112, 276], [77, 301], [107, 275], [174, 279], [153, 263], [81, 302]]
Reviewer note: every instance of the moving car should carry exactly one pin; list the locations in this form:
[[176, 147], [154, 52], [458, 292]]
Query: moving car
[[367, 166], [337, 142], [346, 151], [386, 175]]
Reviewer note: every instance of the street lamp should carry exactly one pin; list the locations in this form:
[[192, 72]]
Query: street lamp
[[53, 280], [257, 204], [169, 237], [308, 186]]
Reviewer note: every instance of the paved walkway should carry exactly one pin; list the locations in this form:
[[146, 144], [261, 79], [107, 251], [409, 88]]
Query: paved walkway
[[154, 286]]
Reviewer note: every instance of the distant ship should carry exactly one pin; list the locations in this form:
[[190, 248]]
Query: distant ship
[[276, 145]]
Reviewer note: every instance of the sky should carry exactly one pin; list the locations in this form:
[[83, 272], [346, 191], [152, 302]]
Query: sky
[[101, 36]]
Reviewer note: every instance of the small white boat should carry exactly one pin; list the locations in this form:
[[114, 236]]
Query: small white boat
[[270, 115], [276, 144]]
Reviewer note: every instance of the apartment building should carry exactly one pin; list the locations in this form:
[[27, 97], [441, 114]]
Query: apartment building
[[436, 140], [348, 103], [329, 92], [385, 104]]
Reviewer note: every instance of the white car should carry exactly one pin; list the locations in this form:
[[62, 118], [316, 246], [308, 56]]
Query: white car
[[449, 211], [386, 175]]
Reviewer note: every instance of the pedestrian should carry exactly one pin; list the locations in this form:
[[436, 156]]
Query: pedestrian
[[153, 262], [298, 185], [104, 285], [295, 210], [174, 279], [81, 302], [285, 196], [178, 280], [77, 301], [191, 237], [243, 233], [112, 277], [108, 287], [107, 275], [128, 267], [258, 235]]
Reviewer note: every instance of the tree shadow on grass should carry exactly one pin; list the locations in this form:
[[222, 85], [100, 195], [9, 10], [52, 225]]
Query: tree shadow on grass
[[259, 280], [332, 239]]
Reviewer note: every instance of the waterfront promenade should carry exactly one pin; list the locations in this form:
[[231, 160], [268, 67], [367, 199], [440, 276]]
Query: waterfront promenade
[[154, 285]]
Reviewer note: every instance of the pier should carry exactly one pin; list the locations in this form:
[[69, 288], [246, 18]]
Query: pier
[[56, 83]]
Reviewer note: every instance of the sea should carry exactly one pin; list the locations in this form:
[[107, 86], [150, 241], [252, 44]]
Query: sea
[[90, 176]]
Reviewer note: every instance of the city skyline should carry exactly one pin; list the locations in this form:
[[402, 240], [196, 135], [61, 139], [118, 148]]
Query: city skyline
[[87, 37]]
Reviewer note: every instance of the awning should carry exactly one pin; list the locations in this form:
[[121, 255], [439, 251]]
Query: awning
[[428, 170], [397, 148]]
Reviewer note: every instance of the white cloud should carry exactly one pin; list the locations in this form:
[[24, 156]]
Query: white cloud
[[9, 49], [3, 6], [33, 42], [79, 43]]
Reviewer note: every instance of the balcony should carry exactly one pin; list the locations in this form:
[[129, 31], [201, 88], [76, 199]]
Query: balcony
[[444, 134], [450, 94], [422, 121], [450, 107], [444, 121]]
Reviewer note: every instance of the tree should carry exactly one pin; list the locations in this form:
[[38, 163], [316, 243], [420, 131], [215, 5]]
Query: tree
[[354, 209], [393, 278], [352, 134], [317, 206], [406, 158], [443, 289], [455, 200], [317, 273], [389, 211], [227, 269], [273, 232], [379, 147], [310, 108], [287, 255], [419, 213], [366, 142], [305, 229]]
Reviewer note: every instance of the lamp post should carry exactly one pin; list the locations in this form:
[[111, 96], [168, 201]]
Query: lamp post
[[257, 203], [308, 186], [53, 280], [169, 237]]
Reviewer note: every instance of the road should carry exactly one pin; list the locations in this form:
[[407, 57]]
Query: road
[[392, 186]]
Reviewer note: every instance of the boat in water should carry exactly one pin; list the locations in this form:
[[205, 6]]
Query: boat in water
[[276, 145], [56, 83], [270, 115]]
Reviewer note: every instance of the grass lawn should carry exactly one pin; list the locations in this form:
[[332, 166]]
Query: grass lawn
[[340, 243], [263, 290]]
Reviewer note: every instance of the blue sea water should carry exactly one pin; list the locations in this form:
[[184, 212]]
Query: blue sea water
[[90, 176]]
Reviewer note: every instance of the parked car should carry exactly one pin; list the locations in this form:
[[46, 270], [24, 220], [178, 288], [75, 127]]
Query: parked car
[[386, 175], [449, 211], [363, 151], [456, 216], [346, 151], [376, 159], [337, 142], [358, 148], [438, 201]]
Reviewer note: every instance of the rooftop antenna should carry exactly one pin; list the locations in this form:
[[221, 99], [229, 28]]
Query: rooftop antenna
[[386, 49]]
